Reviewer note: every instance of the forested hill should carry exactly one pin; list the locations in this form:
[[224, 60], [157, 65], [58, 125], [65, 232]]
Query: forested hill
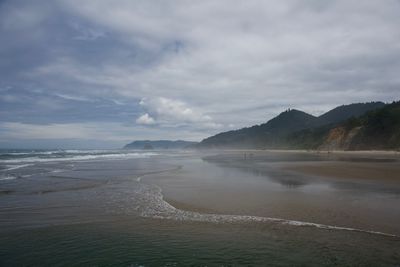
[[377, 129], [297, 129]]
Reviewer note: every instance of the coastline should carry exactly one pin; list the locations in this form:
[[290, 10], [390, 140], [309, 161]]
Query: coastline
[[285, 185], [372, 165], [345, 152], [180, 205], [369, 171]]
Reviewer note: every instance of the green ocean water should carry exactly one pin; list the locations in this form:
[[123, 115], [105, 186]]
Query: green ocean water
[[161, 243]]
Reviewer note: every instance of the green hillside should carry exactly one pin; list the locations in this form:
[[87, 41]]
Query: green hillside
[[376, 129], [380, 129], [290, 129], [269, 134]]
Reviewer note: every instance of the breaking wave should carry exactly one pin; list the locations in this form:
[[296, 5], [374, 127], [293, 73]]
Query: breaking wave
[[7, 177], [163, 210], [53, 156], [148, 201], [15, 167]]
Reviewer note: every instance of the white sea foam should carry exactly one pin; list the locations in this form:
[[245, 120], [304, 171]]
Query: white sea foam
[[92, 151], [58, 151], [80, 157], [32, 153], [153, 205], [58, 170], [7, 177], [164, 210], [14, 167]]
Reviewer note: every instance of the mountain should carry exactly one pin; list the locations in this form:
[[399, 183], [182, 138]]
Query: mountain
[[290, 129], [378, 130], [159, 144], [267, 134], [332, 131], [344, 112]]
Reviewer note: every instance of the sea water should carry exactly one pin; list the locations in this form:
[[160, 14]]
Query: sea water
[[108, 208]]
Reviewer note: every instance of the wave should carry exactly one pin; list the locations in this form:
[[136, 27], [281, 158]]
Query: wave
[[79, 157], [156, 207], [91, 151], [7, 177], [164, 210], [14, 167], [56, 151], [59, 151], [31, 153]]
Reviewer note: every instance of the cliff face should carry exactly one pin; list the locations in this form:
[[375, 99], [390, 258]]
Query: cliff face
[[343, 128], [339, 138], [295, 129], [378, 129]]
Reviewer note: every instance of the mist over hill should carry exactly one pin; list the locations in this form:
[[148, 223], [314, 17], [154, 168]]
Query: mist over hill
[[373, 125], [159, 144]]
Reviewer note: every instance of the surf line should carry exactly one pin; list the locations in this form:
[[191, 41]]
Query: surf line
[[139, 178], [173, 213], [227, 218]]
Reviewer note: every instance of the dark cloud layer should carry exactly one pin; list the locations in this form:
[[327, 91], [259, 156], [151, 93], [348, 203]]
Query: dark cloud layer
[[122, 70]]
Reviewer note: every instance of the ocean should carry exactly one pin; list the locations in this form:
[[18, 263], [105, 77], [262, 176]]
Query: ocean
[[178, 208]]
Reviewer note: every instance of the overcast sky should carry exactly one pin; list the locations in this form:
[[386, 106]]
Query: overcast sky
[[100, 73]]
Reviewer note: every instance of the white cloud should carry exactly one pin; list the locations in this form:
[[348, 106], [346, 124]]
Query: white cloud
[[206, 66], [175, 109], [247, 54], [18, 130], [74, 97], [172, 112], [22, 17], [86, 33], [145, 119]]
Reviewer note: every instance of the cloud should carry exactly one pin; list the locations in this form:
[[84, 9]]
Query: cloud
[[173, 109], [245, 54], [18, 130], [145, 119], [74, 98], [19, 16], [106, 131], [172, 112], [86, 33], [198, 67]]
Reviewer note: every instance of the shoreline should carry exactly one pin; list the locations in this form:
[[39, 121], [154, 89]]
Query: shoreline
[[350, 152], [301, 188], [188, 207], [367, 171]]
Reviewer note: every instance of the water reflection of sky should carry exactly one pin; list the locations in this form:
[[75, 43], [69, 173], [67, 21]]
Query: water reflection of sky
[[270, 167]]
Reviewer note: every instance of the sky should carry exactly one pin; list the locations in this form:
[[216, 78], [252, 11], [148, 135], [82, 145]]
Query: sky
[[101, 73]]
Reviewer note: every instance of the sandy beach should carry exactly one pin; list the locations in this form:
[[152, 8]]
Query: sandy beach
[[375, 172], [353, 189], [371, 165]]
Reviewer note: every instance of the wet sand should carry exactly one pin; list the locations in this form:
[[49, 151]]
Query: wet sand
[[359, 190], [376, 172], [189, 207], [378, 166]]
